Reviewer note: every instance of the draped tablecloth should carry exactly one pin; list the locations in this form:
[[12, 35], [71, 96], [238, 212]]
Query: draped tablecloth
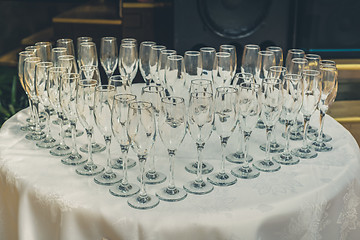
[[40, 198]]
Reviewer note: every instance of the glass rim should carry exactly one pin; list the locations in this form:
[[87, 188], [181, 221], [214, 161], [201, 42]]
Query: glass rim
[[141, 105], [57, 69], [200, 80], [108, 38], [45, 64], [64, 40], [207, 49], [58, 49], [175, 57], [266, 53], [292, 75], [150, 89], [88, 66], [223, 54], [249, 75], [88, 83], [203, 94], [32, 59], [43, 44], [125, 96], [278, 68], [84, 39], [272, 81], [26, 52], [168, 51], [129, 39], [313, 56], [31, 47], [192, 53], [117, 78], [105, 88], [327, 62], [170, 99], [274, 48], [87, 44], [147, 43], [249, 85], [252, 46], [229, 46], [158, 47], [225, 89], [71, 57], [311, 72], [296, 50], [127, 45], [299, 60]]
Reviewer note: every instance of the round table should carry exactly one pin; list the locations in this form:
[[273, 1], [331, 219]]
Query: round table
[[41, 198]]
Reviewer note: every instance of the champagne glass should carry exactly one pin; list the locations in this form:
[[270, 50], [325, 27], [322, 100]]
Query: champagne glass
[[128, 61], [22, 56], [239, 155], [329, 75], [232, 50], [67, 98], [277, 72], [313, 61], [80, 40], [174, 75], [87, 54], [249, 110], [250, 58], [199, 85], [278, 52], [271, 100], [68, 44], [153, 94], [121, 87], [293, 53], [223, 69], [90, 72], [44, 51], [172, 130], [41, 79], [207, 55], [85, 100], [109, 55], [162, 65], [55, 53], [292, 91], [104, 97], [192, 67], [311, 98], [53, 88], [35, 49], [144, 60], [225, 102], [29, 81], [141, 130], [154, 62], [200, 126], [68, 62], [119, 121]]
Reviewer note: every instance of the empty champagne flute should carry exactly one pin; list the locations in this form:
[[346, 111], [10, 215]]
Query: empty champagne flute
[[53, 89], [35, 49], [154, 62], [311, 98], [162, 65], [232, 50], [239, 155], [222, 69], [192, 68], [88, 54], [225, 102], [109, 55], [68, 62], [44, 51], [68, 44], [90, 72], [80, 40], [292, 92], [271, 101], [279, 59], [67, 96], [207, 55], [329, 75], [293, 53], [141, 130], [128, 61], [41, 79], [104, 97], [55, 53], [172, 130], [144, 60], [200, 126], [119, 122], [85, 100], [313, 61], [250, 58], [174, 75], [249, 110], [153, 94]]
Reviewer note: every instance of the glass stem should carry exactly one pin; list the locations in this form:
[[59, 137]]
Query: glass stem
[[240, 143], [268, 140], [73, 137], [36, 115], [199, 147], [48, 130], [224, 141], [306, 126], [320, 133], [32, 118], [287, 137], [142, 160], [62, 133], [171, 162], [89, 133], [246, 140], [108, 157], [124, 151]]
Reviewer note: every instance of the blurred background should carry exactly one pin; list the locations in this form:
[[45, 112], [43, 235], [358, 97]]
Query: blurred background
[[329, 28]]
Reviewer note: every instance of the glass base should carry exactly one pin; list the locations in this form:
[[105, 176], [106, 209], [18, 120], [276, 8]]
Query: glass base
[[73, 159], [27, 128], [68, 133], [57, 122], [238, 157], [206, 168], [153, 177], [118, 163], [260, 124], [171, 194], [124, 190], [266, 166], [47, 143], [325, 137], [96, 147], [321, 147], [35, 136], [60, 150], [274, 147], [89, 169], [294, 135], [197, 187], [143, 202], [286, 159], [307, 152], [311, 129], [221, 179], [107, 178], [246, 172], [42, 117]]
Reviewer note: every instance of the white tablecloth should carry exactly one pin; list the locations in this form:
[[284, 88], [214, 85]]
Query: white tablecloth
[[40, 198]]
